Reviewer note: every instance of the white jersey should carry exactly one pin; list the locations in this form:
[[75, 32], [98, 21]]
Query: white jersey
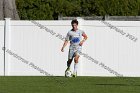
[[74, 37]]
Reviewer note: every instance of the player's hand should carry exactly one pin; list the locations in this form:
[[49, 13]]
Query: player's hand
[[81, 43], [62, 50]]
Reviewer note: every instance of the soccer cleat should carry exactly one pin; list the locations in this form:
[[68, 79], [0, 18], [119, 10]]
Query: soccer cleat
[[74, 74], [68, 69]]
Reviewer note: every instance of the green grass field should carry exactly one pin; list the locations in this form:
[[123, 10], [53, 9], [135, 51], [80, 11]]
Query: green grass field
[[38, 84]]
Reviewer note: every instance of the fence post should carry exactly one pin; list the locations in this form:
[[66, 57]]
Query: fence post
[[6, 30]]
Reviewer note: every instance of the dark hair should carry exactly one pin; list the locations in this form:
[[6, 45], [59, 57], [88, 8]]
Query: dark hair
[[74, 21]]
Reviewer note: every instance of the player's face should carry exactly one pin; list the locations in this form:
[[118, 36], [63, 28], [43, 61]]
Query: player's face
[[74, 26]]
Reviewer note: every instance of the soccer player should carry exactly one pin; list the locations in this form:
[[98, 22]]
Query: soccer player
[[76, 41]]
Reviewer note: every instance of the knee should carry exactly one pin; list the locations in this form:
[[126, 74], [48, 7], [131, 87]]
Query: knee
[[76, 60]]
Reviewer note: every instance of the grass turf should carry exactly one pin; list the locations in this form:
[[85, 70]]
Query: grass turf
[[40, 84]]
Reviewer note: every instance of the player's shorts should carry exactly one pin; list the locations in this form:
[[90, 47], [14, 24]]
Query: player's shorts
[[74, 51]]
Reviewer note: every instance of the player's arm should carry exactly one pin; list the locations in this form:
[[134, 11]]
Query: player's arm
[[65, 42], [64, 45], [84, 39]]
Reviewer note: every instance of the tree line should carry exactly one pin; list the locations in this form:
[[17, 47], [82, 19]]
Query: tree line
[[51, 9]]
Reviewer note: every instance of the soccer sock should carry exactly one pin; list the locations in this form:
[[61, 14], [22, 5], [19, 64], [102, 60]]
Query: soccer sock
[[68, 64], [75, 67]]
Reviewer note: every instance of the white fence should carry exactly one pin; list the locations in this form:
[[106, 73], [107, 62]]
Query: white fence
[[34, 51]]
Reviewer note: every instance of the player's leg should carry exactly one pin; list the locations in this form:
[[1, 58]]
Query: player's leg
[[76, 60], [69, 63], [70, 59]]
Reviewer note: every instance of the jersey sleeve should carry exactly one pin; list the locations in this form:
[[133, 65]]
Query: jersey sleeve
[[67, 37]]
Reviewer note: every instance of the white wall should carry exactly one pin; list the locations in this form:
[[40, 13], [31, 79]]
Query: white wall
[[1, 45], [43, 49]]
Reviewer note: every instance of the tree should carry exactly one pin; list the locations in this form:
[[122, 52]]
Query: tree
[[51, 9], [8, 10], [34, 9]]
